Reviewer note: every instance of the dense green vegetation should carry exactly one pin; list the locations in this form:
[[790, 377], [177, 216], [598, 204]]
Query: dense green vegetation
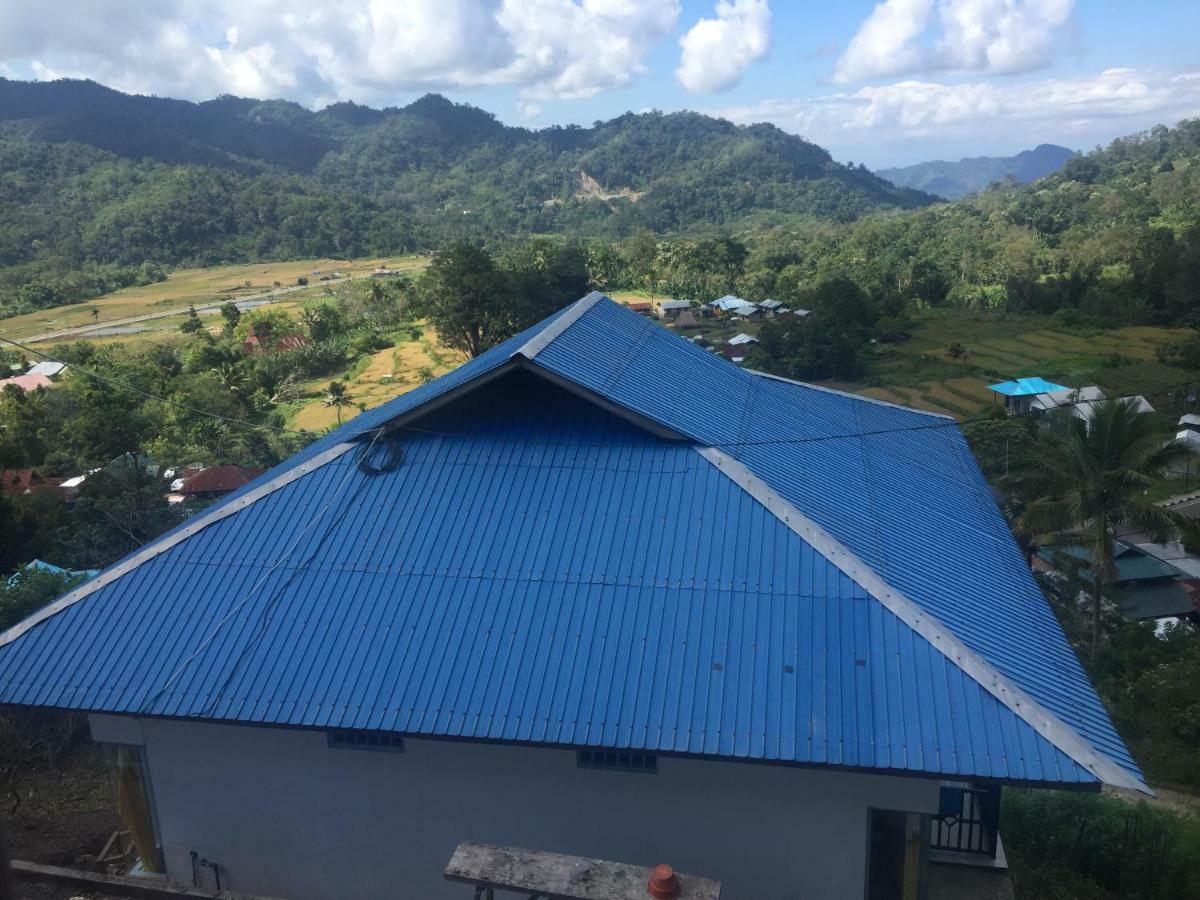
[[953, 180], [114, 186], [1069, 846]]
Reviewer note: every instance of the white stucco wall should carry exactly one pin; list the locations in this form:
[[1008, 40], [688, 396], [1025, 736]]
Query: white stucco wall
[[285, 815]]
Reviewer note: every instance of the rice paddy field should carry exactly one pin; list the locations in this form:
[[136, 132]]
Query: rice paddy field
[[919, 372], [106, 316]]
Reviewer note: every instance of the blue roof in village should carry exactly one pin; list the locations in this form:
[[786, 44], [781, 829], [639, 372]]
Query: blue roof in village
[[1025, 387], [756, 569]]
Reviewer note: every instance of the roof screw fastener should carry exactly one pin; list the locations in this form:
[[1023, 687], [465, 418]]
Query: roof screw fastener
[[663, 883]]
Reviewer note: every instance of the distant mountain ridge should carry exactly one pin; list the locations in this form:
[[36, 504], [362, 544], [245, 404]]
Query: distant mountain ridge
[[434, 155], [97, 188], [953, 180]]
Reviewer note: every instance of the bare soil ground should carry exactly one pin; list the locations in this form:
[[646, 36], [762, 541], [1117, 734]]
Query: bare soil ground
[[66, 813]]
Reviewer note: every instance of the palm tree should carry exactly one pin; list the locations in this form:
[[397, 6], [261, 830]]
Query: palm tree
[[337, 397], [1090, 481]]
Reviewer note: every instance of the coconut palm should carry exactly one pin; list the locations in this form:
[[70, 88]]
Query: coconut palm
[[337, 397], [1089, 481]]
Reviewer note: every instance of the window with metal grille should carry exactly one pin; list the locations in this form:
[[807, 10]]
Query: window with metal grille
[[366, 740], [622, 760]]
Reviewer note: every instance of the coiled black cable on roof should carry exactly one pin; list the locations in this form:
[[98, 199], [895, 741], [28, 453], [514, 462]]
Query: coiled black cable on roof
[[394, 454]]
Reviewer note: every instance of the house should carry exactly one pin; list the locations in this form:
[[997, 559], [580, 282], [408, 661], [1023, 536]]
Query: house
[[734, 354], [1019, 394], [801, 313], [26, 382], [50, 368], [1189, 432], [771, 306], [1146, 587], [670, 309], [752, 628], [288, 342], [26, 481], [39, 565], [748, 311], [208, 484], [1082, 402], [641, 307], [726, 304], [739, 339]]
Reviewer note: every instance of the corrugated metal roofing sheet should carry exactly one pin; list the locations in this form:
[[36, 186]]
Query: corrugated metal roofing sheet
[[1024, 387], [554, 574]]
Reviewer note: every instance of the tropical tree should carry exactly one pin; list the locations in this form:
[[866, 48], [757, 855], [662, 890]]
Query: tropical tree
[[1088, 481], [337, 396]]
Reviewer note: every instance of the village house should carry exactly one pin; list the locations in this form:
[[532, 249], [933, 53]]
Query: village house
[[670, 309], [726, 304], [1145, 587], [26, 382], [760, 630], [217, 481], [1037, 396]]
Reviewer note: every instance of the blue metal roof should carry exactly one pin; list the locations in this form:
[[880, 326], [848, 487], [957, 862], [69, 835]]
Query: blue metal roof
[[538, 569], [1025, 387]]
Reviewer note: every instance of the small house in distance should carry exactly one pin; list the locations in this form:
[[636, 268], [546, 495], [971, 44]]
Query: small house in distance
[[726, 304], [1147, 587], [669, 310], [1020, 393], [763, 630], [27, 382], [48, 367], [1189, 431], [209, 484]]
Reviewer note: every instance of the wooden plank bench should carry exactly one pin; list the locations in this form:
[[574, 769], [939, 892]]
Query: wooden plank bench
[[556, 876]]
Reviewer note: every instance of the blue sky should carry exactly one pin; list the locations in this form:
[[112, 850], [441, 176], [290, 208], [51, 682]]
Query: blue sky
[[882, 83]]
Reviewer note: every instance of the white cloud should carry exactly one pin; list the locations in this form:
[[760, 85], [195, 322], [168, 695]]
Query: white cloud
[[885, 43], [364, 50], [717, 51], [1081, 111], [994, 36]]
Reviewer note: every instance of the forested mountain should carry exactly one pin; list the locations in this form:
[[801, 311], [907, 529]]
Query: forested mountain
[[954, 180], [95, 183]]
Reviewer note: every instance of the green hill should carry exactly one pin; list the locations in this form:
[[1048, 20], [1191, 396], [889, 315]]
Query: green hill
[[95, 182]]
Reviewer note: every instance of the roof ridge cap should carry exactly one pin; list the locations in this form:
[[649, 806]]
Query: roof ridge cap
[[555, 329], [1046, 723], [852, 396], [210, 516]]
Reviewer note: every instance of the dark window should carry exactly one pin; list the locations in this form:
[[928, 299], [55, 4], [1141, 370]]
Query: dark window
[[366, 740], [617, 759]]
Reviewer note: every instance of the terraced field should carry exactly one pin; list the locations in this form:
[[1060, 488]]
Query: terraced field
[[918, 372], [386, 374]]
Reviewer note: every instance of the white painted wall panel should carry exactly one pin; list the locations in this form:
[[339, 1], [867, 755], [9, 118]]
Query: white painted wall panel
[[285, 815]]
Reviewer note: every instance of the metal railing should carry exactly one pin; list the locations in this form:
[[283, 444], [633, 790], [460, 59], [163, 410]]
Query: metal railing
[[966, 820]]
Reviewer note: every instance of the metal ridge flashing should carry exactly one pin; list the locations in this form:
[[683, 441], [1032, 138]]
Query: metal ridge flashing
[[162, 545], [1024, 706], [551, 332], [862, 397]]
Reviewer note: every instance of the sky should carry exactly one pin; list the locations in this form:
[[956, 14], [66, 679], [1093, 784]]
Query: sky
[[889, 83]]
